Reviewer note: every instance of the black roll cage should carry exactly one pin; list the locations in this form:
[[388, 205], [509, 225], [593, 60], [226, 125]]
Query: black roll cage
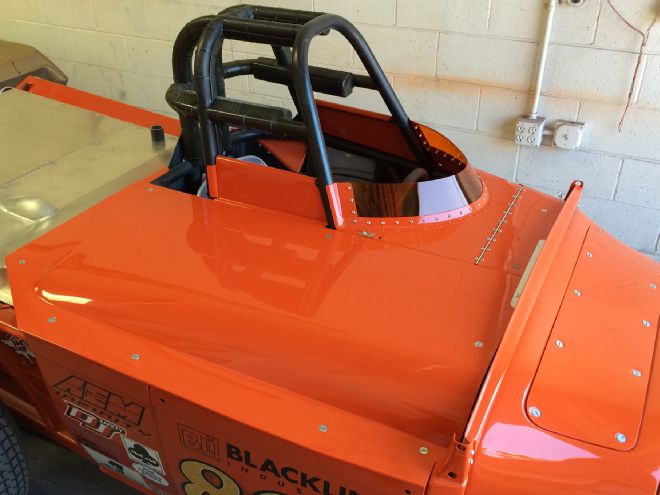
[[198, 91]]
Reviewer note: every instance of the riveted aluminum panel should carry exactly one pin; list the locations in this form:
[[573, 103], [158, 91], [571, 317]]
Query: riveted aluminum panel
[[57, 161]]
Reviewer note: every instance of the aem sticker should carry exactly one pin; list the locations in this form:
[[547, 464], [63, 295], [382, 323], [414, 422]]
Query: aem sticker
[[142, 454]]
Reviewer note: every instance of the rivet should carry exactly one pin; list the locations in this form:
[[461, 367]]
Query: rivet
[[472, 452], [411, 221], [423, 450], [350, 187], [323, 428], [636, 373], [368, 222], [396, 222], [382, 222], [135, 357], [646, 323], [351, 200], [478, 344], [354, 221], [52, 319], [150, 189], [578, 183], [590, 254], [21, 262], [535, 411], [652, 285], [354, 212], [544, 210], [621, 438], [328, 236], [577, 292], [471, 461], [559, 343]]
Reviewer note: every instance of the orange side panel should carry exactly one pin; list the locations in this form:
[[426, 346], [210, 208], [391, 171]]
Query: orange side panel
[[267, 187], [105, 106]]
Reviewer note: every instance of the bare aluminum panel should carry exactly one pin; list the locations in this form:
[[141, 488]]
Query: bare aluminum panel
[[57, 160]]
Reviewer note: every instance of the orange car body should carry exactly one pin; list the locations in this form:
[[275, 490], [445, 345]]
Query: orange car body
[[238, 346]]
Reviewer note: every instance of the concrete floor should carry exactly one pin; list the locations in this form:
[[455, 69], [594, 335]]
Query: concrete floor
[[56, 471]]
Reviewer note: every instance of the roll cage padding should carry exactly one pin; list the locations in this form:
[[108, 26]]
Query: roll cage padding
[[200, 93]]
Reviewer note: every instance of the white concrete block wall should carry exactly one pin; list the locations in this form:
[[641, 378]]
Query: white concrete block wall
[[464, 67]]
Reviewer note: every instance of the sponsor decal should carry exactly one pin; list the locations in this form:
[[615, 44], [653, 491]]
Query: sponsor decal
[[19, 346], [150, 474], [92, 422], [118, 467], [101, 402], [197, 441], [199, 474], [143, 455]]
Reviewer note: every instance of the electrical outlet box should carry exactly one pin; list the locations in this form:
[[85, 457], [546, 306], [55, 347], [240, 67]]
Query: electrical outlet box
[[529, 132], [568, 135]]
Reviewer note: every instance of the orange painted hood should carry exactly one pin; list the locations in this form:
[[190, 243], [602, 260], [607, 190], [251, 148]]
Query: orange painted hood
[[399, 329]]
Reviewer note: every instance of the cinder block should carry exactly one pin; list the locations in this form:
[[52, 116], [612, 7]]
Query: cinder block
[[137, 89], [12, 31], [401, 51], [500, 108], [124, 17], [495, 62], [444, 15], [649, 94], [525, 19], [22, 10], [556, 169], [167, 17], [151, 57], [639, 184], [494, 155], [440, 102], [89, 78], [106, 50], [638, 137], [71, 13], [636, 226], [589, 73], [613, 32], [54, 42], [365, 11]]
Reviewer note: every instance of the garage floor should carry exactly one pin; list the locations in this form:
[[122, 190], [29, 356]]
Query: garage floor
[[56, 471]]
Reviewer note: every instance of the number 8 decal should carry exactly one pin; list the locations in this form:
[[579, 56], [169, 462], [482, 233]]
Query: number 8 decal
[[199, 484]]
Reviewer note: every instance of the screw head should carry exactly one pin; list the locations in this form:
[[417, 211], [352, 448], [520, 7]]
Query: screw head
[[621, 438], [535, 411], [577, 292], [544, 210], [135, 357], [52, 319], [328, 236], [652, 285], [150, 189], [21, 262], [590, 254], [423, 450], [478, 344], [323, 428], [636, 373], [646, 323], [559, 343]]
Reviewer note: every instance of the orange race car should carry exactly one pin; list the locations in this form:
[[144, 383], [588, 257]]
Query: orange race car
[[335, 303]]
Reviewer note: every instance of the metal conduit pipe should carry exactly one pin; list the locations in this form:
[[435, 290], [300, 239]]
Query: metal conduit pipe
[[552, 8]]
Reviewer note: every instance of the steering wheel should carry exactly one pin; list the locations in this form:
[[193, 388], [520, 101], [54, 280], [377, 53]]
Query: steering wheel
[[416, 175]]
